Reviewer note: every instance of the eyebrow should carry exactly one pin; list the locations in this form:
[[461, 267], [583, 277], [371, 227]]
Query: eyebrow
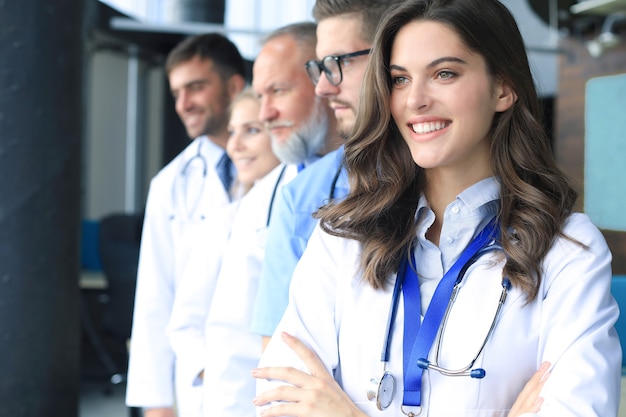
[[277, 85], [195, 82], [247, 123], [434, 63], [445, 59]]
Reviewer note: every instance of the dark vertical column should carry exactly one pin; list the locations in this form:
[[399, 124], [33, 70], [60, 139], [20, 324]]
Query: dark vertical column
[[41, 116]]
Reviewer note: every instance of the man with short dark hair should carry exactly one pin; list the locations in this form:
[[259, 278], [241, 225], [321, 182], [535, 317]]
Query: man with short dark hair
[[205, 73]]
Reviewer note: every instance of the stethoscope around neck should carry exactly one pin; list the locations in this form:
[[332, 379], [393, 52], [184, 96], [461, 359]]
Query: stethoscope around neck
[[331, 193], [477, 373], [181, 187], [385, 385], [181, 192], [273, 197]]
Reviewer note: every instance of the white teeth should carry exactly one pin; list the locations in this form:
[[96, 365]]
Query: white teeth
[[421, 128]]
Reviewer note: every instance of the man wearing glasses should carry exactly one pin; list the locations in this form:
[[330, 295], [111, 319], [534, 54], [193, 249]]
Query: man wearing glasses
[[327, 74], [345, 32]]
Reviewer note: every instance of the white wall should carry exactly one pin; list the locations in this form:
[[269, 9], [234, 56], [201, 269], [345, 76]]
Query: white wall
[[258, 16], [105, 170], [538, 35], [265, 15], [112, 182]]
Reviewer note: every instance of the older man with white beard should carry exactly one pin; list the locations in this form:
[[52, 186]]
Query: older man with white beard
[[302, 129], [307, 141], [302, 126], [345, 33]]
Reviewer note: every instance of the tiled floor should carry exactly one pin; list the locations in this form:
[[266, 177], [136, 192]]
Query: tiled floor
[[99, 400]]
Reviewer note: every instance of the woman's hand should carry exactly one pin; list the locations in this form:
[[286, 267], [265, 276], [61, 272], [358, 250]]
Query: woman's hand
[[319, 395], [314, 395], [529, 401], [159, 412]]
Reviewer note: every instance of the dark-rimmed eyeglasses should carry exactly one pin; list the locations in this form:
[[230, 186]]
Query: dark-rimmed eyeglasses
[[331, 66]]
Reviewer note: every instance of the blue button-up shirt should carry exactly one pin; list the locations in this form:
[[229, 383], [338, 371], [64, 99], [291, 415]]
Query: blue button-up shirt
[[290, 227]]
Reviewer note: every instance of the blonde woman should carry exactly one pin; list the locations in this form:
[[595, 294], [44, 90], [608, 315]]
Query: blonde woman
[[226, 252]]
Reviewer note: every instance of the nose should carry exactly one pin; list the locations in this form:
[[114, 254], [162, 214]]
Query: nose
[[183, 102], [324, 88], [419, 97], [267, 112], [234, 144]]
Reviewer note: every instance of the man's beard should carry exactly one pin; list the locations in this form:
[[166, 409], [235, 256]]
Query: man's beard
[[216, 120], [344, 127], [307, 141]]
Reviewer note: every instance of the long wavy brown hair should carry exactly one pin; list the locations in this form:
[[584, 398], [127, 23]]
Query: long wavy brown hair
[[385, 182]]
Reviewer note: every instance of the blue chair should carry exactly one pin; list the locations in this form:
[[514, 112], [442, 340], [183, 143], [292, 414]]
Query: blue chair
[[89, 253], [618, 288]]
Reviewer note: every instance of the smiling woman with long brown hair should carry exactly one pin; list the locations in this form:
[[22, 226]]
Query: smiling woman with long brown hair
[[455, 266]]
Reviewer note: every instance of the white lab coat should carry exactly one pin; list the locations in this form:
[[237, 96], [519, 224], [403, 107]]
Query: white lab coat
[[192, 301], [231, 349], [168, 233], [570, 324]]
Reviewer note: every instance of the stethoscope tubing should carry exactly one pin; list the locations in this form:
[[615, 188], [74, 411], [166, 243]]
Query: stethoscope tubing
[[423, 362], [180, 187]]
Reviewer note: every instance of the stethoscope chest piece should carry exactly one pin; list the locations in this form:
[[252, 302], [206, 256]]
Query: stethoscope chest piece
[[385, 390]]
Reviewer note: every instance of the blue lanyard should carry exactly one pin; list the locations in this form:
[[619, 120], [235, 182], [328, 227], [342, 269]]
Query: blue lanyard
[[418, 339]]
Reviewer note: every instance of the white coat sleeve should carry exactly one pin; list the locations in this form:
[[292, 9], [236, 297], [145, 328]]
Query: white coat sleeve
[[194, 294], [310, 315], [151, 363], [578, 316]]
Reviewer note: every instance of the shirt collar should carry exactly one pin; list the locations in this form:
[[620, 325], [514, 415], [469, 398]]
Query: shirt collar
[[473, 198]]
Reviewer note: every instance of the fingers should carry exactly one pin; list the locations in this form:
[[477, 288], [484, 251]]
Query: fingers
[[308, 357], [543, 371], [279, 409], [314, 388], [529, 400], [540, 375], [298, 379], [291, 375], [280, 394], [534, 386]]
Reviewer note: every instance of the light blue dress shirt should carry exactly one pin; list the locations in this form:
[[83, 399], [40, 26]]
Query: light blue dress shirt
[[291, 226]]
